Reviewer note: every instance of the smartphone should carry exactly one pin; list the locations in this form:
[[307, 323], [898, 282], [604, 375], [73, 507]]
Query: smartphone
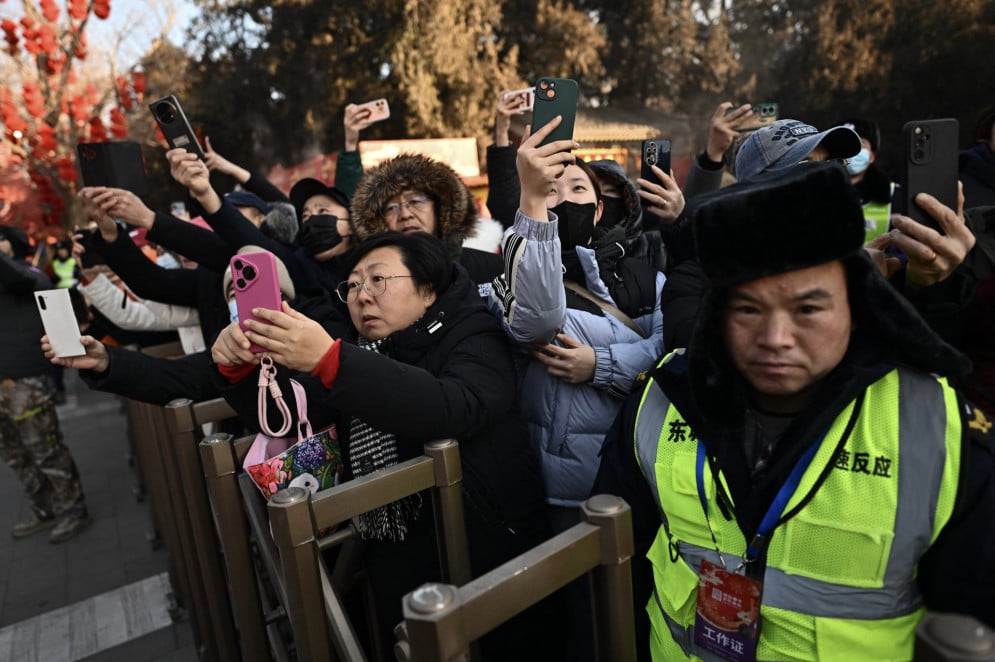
[[174, 125], [930, 149], [763, 114], [117, 164], [528, 95], [59, 320], [379, 110], [555, 96], [655, 153], [178, 208], [257, 285]]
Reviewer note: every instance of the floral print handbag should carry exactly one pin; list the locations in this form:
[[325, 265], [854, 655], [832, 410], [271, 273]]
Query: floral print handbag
[[274, 462]]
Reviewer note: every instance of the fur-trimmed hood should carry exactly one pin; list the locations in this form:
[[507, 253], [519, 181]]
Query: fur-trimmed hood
[[455, 209]]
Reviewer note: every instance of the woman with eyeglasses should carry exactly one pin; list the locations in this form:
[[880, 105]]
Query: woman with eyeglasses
[[426, 360], [414, 193]]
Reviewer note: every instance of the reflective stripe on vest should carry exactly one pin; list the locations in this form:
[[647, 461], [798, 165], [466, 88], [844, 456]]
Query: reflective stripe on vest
[[847, 560], [876, 217], [64, 272]]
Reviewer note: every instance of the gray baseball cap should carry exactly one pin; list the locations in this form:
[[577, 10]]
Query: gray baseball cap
[[784, 143]]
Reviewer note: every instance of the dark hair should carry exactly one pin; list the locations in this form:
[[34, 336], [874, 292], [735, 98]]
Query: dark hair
[[423, 254], [590, 174]]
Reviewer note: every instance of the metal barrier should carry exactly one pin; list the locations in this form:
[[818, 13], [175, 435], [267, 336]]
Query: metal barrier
[[953, 638], [321, 630], [240, 518], [211, 607], [441, 621]]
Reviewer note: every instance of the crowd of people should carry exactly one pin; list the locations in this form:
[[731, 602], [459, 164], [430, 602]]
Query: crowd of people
[[789, 384]]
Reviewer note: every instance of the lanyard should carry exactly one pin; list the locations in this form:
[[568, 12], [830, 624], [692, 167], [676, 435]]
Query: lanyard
[[771, 519]]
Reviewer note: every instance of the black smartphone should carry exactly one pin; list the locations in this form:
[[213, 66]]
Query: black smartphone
[[555, 96], [930, 149], [114, 164], [655, 152], [174, 125]]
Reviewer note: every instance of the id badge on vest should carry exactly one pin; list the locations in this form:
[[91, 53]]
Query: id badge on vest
[[728, 612]]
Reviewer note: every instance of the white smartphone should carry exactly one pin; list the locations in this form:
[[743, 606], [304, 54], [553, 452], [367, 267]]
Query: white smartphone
[[59, 321], [528, 98]]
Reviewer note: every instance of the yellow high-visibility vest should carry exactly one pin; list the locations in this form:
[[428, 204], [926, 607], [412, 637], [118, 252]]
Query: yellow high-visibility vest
[[839, 582]]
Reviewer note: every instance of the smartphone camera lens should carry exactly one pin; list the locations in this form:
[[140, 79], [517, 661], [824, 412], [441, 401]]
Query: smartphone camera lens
[[240, 283], [249, 273], [165, 112], [238, 264]]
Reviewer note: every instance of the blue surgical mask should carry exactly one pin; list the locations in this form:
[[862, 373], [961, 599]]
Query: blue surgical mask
[[855, 165], [233, 310]]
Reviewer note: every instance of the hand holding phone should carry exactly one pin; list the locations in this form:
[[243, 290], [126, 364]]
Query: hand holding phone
[[524, 98], [762, 115], [59, 320], [655, 152], [376, 111], [174, 125], [930, 149], [257, 285], [555, 96]]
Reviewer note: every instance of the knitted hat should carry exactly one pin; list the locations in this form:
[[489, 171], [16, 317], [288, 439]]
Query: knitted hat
[[786, 142], [455, 209], [798, 218]]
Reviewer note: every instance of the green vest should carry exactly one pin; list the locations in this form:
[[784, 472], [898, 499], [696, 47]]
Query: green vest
[[839, 582], [64, 272], [877, 215]]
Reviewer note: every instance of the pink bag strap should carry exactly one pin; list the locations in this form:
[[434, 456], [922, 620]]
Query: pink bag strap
[[267, 382]]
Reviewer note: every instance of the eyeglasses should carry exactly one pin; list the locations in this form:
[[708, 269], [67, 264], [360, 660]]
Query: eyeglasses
[[348, 290], [413, 204]]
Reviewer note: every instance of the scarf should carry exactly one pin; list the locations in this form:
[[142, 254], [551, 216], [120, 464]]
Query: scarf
[[371, 450]]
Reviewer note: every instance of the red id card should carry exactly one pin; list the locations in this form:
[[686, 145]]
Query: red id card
[[728, 612]]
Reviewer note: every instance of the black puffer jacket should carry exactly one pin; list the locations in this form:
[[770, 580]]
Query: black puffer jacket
[[456, 381], [20, 351]]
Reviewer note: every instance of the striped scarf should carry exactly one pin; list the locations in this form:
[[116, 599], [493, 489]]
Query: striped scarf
[[371, 450]]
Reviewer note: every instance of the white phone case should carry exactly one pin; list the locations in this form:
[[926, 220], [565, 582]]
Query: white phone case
[[59, 321]]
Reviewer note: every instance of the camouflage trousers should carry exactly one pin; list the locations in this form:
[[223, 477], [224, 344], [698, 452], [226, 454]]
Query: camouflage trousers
[[31, 445]]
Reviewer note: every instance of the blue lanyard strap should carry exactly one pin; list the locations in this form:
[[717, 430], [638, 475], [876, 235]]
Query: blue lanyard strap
[[770, 520]]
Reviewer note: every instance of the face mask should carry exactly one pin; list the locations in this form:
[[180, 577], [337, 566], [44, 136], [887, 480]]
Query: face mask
[[319, 234], [613, 213], [233, 311], [576, 224], [858, 164]]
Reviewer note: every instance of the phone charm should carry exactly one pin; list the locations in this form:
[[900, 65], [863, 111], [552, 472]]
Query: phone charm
[[728, 613]]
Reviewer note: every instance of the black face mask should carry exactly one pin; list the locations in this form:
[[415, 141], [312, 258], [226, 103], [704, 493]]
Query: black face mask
[[576, 226], [613, 213], [319, 234]]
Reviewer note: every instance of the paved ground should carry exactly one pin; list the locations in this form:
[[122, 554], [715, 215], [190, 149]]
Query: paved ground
[[51, 596]]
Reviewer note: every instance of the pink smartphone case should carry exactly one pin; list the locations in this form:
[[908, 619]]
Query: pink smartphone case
[[262, 291]]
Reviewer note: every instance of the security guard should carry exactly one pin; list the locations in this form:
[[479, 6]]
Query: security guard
[[804, 480]]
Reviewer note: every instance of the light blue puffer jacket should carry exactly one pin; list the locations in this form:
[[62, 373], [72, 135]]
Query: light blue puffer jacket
[[568, 422]]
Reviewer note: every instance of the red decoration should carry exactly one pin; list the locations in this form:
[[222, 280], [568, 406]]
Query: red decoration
[[98, 132], [77, 9], [102, 8], [49, 10], [119, 123]]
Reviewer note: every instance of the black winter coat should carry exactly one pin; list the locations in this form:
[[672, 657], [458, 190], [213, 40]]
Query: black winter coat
[[459, 382]]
